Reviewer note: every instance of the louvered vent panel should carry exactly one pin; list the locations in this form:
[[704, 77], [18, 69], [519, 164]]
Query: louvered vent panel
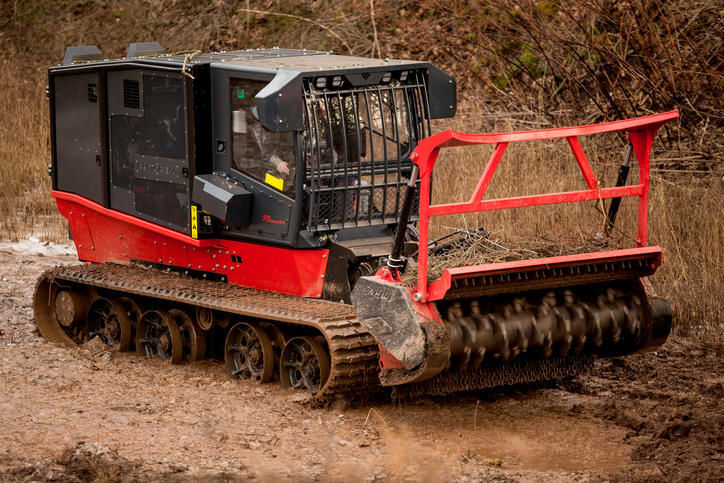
[[92, 93], [131, 98]]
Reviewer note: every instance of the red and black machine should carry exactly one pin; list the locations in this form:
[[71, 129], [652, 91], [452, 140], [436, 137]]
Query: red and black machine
[[254, 206]]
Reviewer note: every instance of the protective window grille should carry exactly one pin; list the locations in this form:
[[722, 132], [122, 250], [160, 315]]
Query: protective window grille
[[131, 94], [356, 148]]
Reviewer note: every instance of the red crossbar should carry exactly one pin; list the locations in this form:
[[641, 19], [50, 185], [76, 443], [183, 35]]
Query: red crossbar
[[641, 132]]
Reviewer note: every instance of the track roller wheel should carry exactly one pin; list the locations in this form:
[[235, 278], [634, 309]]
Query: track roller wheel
[[223, 320], [278, 340], [248, 353], [194, 340], [133, 310], [304, 364], [158, 335], [205, 318], [109, 320]]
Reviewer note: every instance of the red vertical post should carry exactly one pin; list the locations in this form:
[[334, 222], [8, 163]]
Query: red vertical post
[[424, 225], [642, 141]]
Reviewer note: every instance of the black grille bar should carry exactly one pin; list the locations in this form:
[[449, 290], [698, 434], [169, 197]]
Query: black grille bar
[[356, 148]]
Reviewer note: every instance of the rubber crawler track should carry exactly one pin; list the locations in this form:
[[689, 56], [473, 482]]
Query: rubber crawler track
[[353, 351]]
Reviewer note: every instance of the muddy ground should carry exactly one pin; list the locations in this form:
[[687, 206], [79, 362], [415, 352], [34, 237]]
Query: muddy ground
[[87, 414]]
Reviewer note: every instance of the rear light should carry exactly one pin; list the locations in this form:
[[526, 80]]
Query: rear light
[[337, 81], [387, 77], [321, 82], [403, 76]]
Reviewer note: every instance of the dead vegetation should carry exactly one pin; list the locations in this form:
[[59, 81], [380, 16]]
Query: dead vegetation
[[78, 463], [519, 65], [468, 247]]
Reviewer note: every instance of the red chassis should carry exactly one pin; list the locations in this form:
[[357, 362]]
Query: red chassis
[[104, 235]]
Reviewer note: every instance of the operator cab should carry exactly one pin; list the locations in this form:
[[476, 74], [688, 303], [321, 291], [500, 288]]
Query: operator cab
[[283, 147], [322, 142]]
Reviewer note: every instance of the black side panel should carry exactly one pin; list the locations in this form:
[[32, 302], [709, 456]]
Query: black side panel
[[443, 94], [78, 144], [149, 162]]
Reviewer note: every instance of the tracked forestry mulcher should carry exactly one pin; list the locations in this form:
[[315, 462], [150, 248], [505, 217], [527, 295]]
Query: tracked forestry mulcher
[[260, 205]]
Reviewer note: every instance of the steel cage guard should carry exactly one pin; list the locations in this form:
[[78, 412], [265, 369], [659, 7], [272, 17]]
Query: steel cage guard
[[640, 132]]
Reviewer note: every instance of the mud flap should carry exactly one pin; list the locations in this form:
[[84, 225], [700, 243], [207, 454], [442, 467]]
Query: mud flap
[[387, 312]]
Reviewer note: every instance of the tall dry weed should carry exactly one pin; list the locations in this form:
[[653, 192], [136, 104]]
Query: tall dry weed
[[25, 201]]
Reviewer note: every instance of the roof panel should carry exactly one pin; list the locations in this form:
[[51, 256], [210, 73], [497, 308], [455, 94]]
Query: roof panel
[[270, 59]]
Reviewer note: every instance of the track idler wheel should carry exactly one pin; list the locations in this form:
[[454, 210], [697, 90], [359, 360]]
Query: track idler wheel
[[194, 340], [45, 303], [71, 307], [248, 353], [158, 335], [108, 320], [278, 340], [304, 364], [70, 310]]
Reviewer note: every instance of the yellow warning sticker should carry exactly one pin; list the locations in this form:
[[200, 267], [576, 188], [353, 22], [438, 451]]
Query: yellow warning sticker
[[272, 180], [194, 222]]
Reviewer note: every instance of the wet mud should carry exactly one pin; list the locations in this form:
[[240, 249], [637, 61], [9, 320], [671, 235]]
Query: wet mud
[[87, 414]]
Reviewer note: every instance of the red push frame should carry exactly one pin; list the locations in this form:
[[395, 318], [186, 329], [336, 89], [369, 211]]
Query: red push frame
[[640, 132]]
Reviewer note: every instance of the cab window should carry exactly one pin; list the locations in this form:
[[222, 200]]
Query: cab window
[[266, 156]]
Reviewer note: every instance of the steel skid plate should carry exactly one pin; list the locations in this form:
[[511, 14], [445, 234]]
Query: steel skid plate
[[386, 310]]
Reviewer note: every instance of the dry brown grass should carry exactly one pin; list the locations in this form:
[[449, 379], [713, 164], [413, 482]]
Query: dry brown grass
[[25, 200]]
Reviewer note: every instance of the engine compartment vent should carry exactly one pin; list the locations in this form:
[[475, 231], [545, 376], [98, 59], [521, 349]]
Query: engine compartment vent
[[131, 94], [92, 93]]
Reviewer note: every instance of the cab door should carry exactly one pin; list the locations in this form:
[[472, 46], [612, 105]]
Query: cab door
[[261, 161], [79, 159]]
